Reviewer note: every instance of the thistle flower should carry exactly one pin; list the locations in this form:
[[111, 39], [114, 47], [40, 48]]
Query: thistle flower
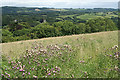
[[8, 75], [23, 74], [22, 69], [11, 61], [56, 67], [29, 73], [29, 62], [49, 73], [52, 69], [32, 68], [46, 59]]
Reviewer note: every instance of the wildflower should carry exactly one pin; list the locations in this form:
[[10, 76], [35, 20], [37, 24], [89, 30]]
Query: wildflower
[[8, 75], [29, 62], [11, 61], [22, 69], [72, 75], [29, 73], [110, 55], [38, 64], [49, 73], [85, 72], [56, 67], [46, 59], [19, 62], [54, 71], [32, 68], [23, 74], [116, 56], [34, 76], [24, 56], [13, 67], [23, 66], [17, 67]]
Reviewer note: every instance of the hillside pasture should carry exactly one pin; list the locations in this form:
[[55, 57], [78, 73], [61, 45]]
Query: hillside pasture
[[75, 56]]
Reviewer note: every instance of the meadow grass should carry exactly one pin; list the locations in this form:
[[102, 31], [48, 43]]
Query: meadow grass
[[76, 56]]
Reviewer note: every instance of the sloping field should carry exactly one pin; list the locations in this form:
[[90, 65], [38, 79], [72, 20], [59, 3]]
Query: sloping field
[[77, 56], [87, 42]]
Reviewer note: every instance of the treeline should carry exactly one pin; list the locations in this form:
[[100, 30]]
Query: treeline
[[17, 31]]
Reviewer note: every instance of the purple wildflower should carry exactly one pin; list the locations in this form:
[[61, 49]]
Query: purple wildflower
[[23, 66], [23, 74], [29, 73], [49, 73], [11, 61], [22, 70], [56, 67], [46, 59], [110, 55], [17, 67], [8, 75], [52, 69], [29, 62]]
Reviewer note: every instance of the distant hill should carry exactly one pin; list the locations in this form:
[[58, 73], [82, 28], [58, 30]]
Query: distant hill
[[12, 9]]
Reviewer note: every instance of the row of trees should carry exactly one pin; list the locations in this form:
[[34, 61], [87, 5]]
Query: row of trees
[[23, 31]]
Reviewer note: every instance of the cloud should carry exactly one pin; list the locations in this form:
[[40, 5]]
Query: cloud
[[60, 3]]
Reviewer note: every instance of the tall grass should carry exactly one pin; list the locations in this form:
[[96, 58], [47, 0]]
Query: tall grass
[[82, 56]]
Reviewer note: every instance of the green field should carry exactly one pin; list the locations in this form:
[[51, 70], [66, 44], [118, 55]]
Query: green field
[[92, 16], [75, 56]]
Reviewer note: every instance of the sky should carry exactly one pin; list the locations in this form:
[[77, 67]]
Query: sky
[[62, 3]]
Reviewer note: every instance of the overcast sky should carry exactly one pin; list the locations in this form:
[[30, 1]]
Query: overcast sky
[[62, 3]]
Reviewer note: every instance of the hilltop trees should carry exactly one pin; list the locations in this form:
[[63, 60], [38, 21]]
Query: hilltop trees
[[23, 31], [100, 24]]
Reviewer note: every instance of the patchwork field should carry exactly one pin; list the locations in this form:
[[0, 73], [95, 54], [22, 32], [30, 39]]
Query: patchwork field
[[76, 56]]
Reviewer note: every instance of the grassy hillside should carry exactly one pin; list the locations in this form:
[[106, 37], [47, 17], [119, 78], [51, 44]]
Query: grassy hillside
[[92, 16], [78, 56]]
